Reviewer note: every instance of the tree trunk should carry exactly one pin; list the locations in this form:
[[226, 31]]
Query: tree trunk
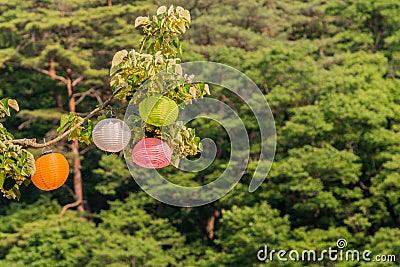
[[77, 175], [58, 98], [211, 224], [75, 151], [53, 75], [109, 3]]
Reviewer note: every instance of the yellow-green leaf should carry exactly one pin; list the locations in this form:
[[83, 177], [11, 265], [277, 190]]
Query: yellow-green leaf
[[185, 14], [193, 91], [207, 89], [141, 20], [13, 104], [119, 57], [161, 10]]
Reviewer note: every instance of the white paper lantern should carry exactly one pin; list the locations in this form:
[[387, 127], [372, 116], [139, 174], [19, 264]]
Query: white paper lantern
[[111, 135]]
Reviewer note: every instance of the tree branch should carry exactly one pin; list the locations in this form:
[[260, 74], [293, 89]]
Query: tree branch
[[86, 149], [69, 190], [91, 92], [25, 123], [77, 80], [98, 98], [83, 95], [43, 71], [70, 205], [32, 142]]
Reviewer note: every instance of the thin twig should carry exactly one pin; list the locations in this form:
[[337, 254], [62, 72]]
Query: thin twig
[[70, 205], [43, 71], [91, 92], [143, 43], [32, 142], [69, 190], [83, 96], [86, 149], [25, 123], [77, 80]]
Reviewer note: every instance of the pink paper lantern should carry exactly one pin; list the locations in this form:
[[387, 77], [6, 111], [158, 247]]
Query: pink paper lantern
[[152, 153]]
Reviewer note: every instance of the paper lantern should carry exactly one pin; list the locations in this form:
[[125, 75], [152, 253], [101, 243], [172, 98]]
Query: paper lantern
[[158, 111], [111, 135], [152, 153], [52, 171]]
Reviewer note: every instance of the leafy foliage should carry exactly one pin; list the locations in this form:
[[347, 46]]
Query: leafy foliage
[[130, 70], [17, 165], [5, 105], [83, 133]]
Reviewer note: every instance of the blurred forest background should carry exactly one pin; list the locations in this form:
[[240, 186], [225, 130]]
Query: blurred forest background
[[330, 71]]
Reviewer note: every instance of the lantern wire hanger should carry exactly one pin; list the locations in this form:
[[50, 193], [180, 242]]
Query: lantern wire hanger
[[46, 150], [111, 114]]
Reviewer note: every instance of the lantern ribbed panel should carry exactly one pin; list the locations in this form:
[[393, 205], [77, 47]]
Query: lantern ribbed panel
[[152, 153], [158, 111], [111, 135], [51, 171]]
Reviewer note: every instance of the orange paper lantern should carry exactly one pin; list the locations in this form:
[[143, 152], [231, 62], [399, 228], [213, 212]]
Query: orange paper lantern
[[52, 171]]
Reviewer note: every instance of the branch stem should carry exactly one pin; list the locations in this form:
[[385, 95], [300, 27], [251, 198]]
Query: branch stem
[[70, 205], [143, 43], [32, 142]]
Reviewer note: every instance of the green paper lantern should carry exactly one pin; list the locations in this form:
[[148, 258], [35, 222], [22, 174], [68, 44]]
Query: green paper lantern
[[158, 111]]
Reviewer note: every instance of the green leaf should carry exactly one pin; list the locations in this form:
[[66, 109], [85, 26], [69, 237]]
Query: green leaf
[[66, 122], [4, 107], [74, 135], [27, 182], [17, 193], [4, 102], [197, 140], [86, 134], [2, 178], [29, 167], [63, 122]]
